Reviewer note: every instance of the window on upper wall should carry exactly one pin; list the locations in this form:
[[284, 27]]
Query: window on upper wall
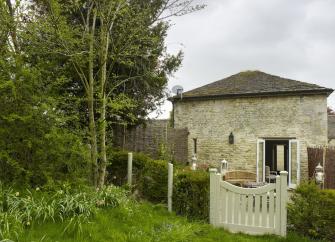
[[194, 145]]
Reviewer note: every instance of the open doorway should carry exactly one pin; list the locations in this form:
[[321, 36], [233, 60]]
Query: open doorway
[[275, 155], [276, 158]]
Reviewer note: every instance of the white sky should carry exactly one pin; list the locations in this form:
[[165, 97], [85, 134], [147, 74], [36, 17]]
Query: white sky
[[292, 39]]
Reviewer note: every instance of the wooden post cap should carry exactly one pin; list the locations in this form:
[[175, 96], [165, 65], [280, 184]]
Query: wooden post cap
[[213, 170]]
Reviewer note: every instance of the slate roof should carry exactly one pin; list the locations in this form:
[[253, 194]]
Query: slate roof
[[253, 83], [331, 126]]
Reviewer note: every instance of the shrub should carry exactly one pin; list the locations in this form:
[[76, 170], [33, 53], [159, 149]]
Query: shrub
[[55, 155], [191, 194], [149, 176], [117, 168], [311, 212], [153, 181], [191, 188], [118, 163]]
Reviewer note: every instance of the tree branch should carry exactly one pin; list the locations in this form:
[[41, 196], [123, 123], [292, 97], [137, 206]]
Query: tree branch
[[122, 82]]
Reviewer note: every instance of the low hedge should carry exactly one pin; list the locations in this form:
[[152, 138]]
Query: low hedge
[[149, 176], [191, 194], [118, 166], [191, 188], [311, 212], [153, 181]]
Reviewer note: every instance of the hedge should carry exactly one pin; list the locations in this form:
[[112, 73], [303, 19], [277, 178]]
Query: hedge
[[191, 188], [191, 194], [153, 181], [311, 212], [118, 163]]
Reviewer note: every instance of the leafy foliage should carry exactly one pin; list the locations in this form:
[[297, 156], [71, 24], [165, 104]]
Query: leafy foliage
[[118, 163], [68, 70], [191, 188], [112, 54], [311, 212], [39, 144], [35, 147], [75, 207], [191, 194], [149, 176], [153, 180]]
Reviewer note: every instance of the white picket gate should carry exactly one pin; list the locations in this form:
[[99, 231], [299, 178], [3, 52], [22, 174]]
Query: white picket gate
[[249, 210]]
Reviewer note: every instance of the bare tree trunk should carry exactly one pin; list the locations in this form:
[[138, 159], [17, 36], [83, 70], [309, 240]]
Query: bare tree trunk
[[106, 28], [90, 99], [103, 154], [102, 121]]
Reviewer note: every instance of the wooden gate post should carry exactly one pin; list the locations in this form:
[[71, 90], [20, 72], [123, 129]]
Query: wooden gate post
[[283, 202], [170, 186], [214, 213], [130, 168]]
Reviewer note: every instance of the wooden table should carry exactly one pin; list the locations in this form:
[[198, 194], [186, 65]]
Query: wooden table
[[239, 182], [254, 184]]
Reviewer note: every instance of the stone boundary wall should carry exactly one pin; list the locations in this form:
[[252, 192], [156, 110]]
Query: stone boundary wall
[[155, 138]]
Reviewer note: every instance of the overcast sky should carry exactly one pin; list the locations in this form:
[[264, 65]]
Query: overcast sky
[[292, 39]]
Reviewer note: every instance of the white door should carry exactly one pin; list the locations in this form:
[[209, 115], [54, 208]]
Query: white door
[[294, 163], [260, 163]]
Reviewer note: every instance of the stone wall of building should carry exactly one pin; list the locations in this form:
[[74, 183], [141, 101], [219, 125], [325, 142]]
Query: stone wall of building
[[156, 138], [211, 122]]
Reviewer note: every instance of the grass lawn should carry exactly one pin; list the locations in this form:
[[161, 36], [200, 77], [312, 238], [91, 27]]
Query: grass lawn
[[139, 222]]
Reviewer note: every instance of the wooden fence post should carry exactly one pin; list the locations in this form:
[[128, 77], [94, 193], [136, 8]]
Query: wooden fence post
[[130, 168], [170, 186], [283, 202]]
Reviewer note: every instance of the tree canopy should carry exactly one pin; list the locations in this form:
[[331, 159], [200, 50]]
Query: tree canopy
[[69, 70]]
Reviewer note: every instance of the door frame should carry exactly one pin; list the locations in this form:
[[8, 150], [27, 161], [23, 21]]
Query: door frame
[[291, 141], [261, 141]]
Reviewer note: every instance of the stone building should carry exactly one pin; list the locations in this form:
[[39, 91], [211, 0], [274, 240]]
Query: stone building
[[256, 121]]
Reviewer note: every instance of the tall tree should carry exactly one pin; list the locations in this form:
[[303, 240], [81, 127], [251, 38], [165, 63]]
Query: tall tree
[[117, 51], [35, 146], [135, 33]]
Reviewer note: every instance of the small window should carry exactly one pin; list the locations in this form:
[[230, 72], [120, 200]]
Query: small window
[[194, 145]]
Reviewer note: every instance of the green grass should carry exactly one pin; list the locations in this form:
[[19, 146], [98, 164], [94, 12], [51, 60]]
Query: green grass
[[139, 222]]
